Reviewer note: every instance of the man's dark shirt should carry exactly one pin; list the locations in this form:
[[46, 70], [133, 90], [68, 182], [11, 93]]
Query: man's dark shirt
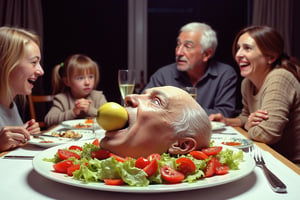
[[216, 90]]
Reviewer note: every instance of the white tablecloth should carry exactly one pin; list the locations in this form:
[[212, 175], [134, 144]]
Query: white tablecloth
[[20, 181]]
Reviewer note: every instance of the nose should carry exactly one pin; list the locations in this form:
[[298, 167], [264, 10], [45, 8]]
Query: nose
[[179, 50], [132, 100], [40, 71], [86, 80], [239, 53]]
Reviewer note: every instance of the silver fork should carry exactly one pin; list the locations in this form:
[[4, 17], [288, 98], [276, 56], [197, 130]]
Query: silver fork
[[276, 184]]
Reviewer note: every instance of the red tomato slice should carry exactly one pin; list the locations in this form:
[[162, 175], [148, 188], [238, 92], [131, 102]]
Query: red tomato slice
[[210, 168], [171, 175], [154, 156], [100, 154], [62, 167], [65, 154], [96, 142], [186, 165], [221, 169], [72, 169], [141, 162], [118, 158], [151, 168], [75, 147], [113, 181], [212, 150], [199, 155]]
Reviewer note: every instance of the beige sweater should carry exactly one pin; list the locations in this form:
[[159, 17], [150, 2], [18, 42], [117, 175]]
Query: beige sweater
[[280, 96], [63, 104]]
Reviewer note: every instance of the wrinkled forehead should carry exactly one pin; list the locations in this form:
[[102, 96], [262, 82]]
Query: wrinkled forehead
[[176, 97]]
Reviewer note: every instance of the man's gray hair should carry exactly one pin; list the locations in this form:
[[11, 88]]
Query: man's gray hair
[[194, 123], [208, 38]]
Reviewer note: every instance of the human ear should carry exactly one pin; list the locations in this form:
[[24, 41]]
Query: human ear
[[66, 82], [207, 54], [183, 146], [272, 59]]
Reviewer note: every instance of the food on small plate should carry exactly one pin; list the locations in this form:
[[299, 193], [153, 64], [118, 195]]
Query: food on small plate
[[89, 121], [67, 134], [46, 141], [232, 143], [239, 143]]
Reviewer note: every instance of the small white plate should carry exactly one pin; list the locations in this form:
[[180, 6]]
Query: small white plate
[[75, 124], [46, 142], [236, 142], [217, 125]]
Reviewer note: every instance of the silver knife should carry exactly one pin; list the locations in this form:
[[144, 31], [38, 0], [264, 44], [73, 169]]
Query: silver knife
[[19, 157]]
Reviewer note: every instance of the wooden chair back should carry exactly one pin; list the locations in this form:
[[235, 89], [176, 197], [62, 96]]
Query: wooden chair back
[[36, 103]]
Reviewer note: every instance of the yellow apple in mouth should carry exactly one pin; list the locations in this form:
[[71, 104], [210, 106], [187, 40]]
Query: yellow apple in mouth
[[112, 116]]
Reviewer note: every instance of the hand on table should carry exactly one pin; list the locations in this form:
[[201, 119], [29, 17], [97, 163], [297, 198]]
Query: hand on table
[[255, 118], [12, 137], [218, 118]]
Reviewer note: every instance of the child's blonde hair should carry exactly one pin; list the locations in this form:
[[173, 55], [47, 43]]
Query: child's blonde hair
[[75, 63]]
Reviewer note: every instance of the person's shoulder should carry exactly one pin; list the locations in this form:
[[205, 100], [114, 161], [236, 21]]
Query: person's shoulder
[[281, 74], [168, 67], [96, 93], [61, 96], [221, 66]]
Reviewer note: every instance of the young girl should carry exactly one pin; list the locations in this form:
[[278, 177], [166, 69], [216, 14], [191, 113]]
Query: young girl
[[19, 68], [74, 83]]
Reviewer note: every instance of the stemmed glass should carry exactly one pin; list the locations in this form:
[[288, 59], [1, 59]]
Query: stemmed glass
[[192, 91], [126, 80]]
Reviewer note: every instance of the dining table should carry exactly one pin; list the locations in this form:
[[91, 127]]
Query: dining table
[[20, 180]]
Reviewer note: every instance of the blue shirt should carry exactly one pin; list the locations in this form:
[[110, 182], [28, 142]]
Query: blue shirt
[[216, 90]]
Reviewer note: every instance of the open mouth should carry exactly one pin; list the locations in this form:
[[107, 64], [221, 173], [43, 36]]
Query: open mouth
[[31, 81], [243, 65]]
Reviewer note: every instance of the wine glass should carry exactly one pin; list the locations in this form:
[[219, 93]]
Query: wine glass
[[126, 80], [192, 91]]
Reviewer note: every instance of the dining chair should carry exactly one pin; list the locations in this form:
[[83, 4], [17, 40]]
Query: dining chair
[[39, 105]]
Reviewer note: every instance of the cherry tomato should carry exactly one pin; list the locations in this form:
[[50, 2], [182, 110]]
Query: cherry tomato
[[62, 167], [210, 168], [109, 181], [96, 142], [186, 165], [118, 158], [221, 169], [154, 156], [72, 169], [141, 162], [151, 168], [75, 147], [199, 155], [171, 175], [65, 154], [212, 150], [100, 154]]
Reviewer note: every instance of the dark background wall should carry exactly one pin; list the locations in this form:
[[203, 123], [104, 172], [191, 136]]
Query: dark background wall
[[95, 28], [99, 30]]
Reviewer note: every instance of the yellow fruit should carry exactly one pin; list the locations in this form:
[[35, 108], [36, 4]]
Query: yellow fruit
[[112, 116]]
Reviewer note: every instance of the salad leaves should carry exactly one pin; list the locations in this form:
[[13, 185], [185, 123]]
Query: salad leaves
[[95, 170]]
